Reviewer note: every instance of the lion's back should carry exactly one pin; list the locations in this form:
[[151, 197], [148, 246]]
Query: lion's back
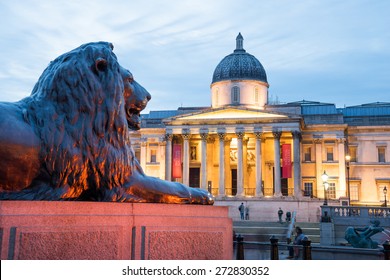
[[19, 148]]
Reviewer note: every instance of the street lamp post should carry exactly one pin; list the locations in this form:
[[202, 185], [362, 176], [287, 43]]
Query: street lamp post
[[385, 194], [325, 177], [347, 161]]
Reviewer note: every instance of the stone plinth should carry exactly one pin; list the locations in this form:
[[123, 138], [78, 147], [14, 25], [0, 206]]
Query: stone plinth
[[44, 230]]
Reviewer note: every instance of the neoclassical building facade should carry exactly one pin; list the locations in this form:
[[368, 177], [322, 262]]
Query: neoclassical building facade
[[242, 147]]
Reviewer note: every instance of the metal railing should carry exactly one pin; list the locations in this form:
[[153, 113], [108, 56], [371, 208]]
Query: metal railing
[[274, 247]]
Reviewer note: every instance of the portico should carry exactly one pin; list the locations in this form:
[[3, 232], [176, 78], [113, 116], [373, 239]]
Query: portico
[[235, 152]]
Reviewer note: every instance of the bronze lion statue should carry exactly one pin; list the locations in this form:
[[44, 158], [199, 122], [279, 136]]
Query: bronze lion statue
[[69, 140]]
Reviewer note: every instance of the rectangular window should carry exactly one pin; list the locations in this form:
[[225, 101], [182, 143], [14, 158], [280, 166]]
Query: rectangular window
[[329, 153], [153, 156], [353, 153], [307, 153], [354, 196], [308, 189], [331, 190], [381, 154]]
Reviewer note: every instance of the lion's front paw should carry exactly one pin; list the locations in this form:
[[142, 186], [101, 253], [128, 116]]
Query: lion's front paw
[[201, 196]]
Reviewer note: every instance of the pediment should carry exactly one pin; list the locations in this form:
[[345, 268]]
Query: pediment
[[230, 114]]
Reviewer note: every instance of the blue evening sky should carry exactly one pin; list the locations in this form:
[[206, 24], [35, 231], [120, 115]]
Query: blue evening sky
[[329, 51]]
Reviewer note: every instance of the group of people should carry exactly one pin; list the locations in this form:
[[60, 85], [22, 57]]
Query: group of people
[[299, 235], [244, 212]]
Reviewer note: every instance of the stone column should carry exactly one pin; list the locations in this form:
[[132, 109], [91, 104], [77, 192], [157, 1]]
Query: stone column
[[186, 156], [203, 165], [210, 160], [240, 164], [221, 187], [297, 136], [319, 171], [259, 162], [228, 171], [144, 152], [161, 157], [277, 175], [342, 177], [168, 157]]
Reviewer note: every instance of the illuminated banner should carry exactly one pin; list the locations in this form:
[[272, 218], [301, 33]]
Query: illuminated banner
[[176, 161], [286, 158]]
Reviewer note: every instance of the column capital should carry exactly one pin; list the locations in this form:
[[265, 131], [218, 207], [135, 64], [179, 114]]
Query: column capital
[[168, 137], [240, 134], [204, 136], [317, 140], [258, 135], [210, 140], [341, 140], [296, 134], [221, 135], [277, 134], [186, 134]]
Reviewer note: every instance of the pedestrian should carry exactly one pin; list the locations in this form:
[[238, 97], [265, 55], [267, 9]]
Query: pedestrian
[[247, 213], [288, 216], [293, 251], [280, 214], [241, 208]]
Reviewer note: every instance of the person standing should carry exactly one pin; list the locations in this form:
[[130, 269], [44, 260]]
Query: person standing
[[247, 213], [241, 208], [280, 214]]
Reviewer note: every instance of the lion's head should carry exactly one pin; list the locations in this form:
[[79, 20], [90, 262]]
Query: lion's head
[[83, 106]]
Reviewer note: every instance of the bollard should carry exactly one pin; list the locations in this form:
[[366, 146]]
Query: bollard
[[306, 253], [240, 248], [386, 250], [274, 248]]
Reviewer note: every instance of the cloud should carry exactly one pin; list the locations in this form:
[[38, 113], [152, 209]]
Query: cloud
[[320, 50]]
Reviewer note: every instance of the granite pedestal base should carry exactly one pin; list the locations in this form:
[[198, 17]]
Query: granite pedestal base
[[43, 230]]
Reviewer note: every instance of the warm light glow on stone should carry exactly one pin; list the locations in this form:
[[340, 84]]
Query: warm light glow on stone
[[232, 114]]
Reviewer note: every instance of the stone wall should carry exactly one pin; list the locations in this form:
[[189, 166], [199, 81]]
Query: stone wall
[[98, 230]]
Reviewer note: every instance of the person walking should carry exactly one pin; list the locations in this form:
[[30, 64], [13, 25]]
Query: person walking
[[280, 214], [241, 208]]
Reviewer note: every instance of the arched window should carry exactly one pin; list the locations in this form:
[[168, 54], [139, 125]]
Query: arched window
[[256, 95], [235, 95]]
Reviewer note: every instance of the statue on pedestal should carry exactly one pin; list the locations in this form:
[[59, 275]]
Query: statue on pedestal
[[69, 140], [361, 237]]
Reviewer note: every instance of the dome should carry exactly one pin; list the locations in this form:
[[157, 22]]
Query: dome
[[239, 65]]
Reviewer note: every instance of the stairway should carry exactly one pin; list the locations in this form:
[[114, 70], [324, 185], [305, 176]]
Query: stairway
[[262, 231]]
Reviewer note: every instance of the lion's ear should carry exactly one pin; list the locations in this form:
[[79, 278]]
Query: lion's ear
[[101, 64]]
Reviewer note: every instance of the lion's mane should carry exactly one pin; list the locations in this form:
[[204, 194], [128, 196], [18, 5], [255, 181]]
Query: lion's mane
[[77, 109]]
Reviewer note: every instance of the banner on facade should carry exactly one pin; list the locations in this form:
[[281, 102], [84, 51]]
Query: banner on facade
[[176, 161], [286, 160]]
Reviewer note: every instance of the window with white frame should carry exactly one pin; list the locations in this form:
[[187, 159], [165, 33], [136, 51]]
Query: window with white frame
[[308, 191], [329, 153], [381, 154], [153, 155], [331, 193], [235, 95], [307, 153], [354, 189], [352, 151]]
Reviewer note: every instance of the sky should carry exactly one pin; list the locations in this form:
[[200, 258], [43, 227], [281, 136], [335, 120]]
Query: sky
[[327, 51]]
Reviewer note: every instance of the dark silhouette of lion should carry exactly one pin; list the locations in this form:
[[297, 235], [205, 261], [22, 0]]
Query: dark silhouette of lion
[[69, 140]]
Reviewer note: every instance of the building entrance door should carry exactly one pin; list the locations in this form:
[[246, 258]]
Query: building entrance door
[[194, 177], [234, 182], [284, 185]]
